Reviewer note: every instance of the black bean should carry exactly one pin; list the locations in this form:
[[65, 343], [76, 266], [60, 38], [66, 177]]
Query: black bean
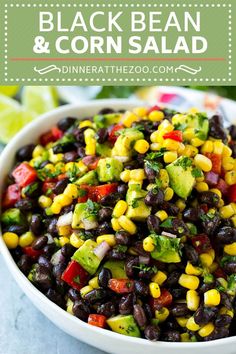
[[110, 199], [232, 131], [95, 295], [216, 128], [108, 309], [103, 277], [226, 235], [117, 254], [148, 311], [33, 190], [191, 214], [44, 261], [52, 227], [230, 267], [209, 198], [154, 197], [178, 292], [36, 224], [58, 270], [65, 123], [179, 226], [150, 173], [106, 111], [171, 336], [73, 294], [139, 315], [102, 135], [25, 204], [70, 156], [25, 264], [67, 250], [221, 332], [152, 333], [173, 278], [126, 304], [122, 189], [211, 225], [16, 253], [170, 208], [191, 254], [141, 288], [17, 229], [131, 266], [79, 135], [54, 296], [81, 152], [81, 310], [205, 287], [223, 320], [105, 213], [179, 310], [204, 315], [225, 300], [42, 277], [122, 238], [60, 186], [48, 250], [131, 165], [63, 147], [25, 152], [146, 274], [39, 243], [153, 223], [104, 228]]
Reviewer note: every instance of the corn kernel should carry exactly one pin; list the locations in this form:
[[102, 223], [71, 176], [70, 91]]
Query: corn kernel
[[159, 278], [164, 178], [56, 208], [206, 260], [110, 239], [222, 282], [189, 281], [63, 200], [168, 194], [165, 127], [155, 146], [230, 177], [50, 167], [213, 267], [212, 297], [85, 123], [140, 111], [226, 211], [26, 239], [207, 147], [182, 321], [180, 204], [11, 239], [216, 191], [125, 176], [38, 151], [148, 244], [71, 191], [234, 220], [185, 337], [170, 156], [162, 215], [203, 162], [115, 224], [227, 152], [156, 137], [156, 116], [206, 330], [181, 149], [85, 290], [218, 147], [189, 134], [44, 202], [193, 300], [225, 311], [211, 252], [190, 151], [127, 224], [70, 166], [120, 208], [191, 325], [197, 142], [64, 230], [141, 146], [75, 241], [155, 290], [129, 119], [202, 187], [94, 283], [171, 144], [63, 241], [192, 270], [178, 118], [228, 163], [90, 148], [69, 306], [230, 249], [233, 205], [162, 314], [137, 174]]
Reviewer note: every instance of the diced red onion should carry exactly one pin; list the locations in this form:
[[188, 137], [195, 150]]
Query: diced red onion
[[57, 258], [101, 250], [89, 224], [168, 234], [65, 219], [222, 186], [211, 178], [50, 238], [144, 259]]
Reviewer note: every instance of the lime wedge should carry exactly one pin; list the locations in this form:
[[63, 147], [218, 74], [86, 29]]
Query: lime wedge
[[39, 99], [6, 103], [9, 90], [11, 121]]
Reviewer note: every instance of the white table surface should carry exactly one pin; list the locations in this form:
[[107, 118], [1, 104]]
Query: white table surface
[[24, 330]]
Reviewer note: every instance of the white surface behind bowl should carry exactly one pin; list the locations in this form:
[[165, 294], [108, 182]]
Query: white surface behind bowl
[[102, 339]]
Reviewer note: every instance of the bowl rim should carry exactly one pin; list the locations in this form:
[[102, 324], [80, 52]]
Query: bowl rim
[[22, 280]]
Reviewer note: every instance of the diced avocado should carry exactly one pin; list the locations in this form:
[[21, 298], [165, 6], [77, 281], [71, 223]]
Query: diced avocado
[[105, 120], [117, 269], [167, 249], [198, 121], [103, 150], [109, 169], [88, 178], [86, 257], [124, 143], [12, 216], [137, 209], [181, 177], [124, 324], [84, 215]]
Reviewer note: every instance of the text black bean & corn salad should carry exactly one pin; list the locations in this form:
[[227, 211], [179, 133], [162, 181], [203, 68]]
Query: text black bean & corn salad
[[128, 221]]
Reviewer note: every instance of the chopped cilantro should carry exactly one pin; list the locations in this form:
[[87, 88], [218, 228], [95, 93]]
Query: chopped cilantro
[[77, 279], [92, 207], [180, 126], [184, 162], [146, 268], [156, 155], [196, 172], [73, 173], [121, 248], [82, 193], [167, 223], [49, 191]]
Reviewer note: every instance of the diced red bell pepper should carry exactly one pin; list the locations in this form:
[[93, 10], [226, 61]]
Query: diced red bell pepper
[[95, 193], [176, 135], [97, 320], [11, 196], [216, 161], [219, 273], [29, 251], [201, 243], [24, 174], [57, 133], [46, 138], [121, 286], [232, 194], [75, 275], [154, 108], [91, 161], [113, 133], [62, 176], [47, 186], [164, 300], [222, 186], [204, 207]]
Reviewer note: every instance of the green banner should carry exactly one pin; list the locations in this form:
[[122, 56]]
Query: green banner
[[118, 42]]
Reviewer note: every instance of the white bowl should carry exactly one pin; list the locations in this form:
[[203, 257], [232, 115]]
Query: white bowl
[[103, 339]]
